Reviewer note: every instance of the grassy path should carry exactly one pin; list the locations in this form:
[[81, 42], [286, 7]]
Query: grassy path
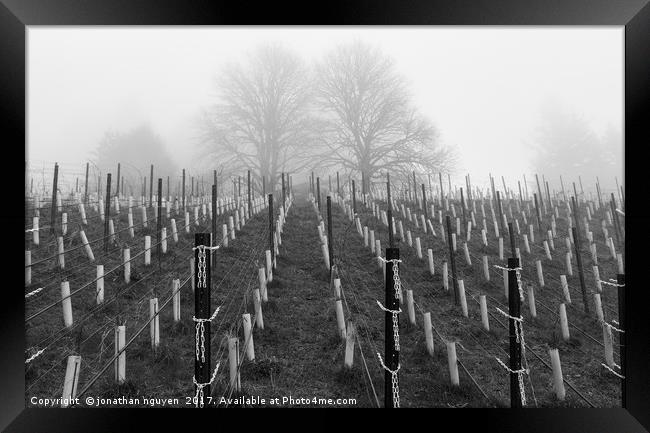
[[299, 353]]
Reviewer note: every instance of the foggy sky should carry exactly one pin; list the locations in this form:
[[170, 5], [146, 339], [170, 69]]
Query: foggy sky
[[481, 86]]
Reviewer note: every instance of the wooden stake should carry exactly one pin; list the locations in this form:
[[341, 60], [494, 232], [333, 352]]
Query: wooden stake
[[28, 267], [61, 254], [126, 258], [66, 303], [147, 250], [349, 345], [486, 270], [84, 241], [410, 306], [452, 362], [430, 257], [154, 324], [565, 289], [259, 318], [558, 382], [485, 321], [463, 299], [176, 306], [500, 248], [340, 318], [428, 332], [564, 322], [71, 380], [248, 336], [468, 260], [569, 268], [599, 307], [531, 302], [233, 359], [418, 248], [120, 361], [540, 274], [100, 284]]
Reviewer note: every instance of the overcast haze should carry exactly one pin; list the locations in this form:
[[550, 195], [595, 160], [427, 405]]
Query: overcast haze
[[481, 87]]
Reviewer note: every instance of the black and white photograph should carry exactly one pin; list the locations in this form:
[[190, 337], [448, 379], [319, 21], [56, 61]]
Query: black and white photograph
[[303, 191], [327, 216]]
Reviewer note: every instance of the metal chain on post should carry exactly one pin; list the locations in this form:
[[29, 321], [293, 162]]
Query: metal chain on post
[[518, 333], [198, 397], [202, 361], [395, 325], [394, 380], [518, 274], [396, 280], [200, 328], [519, 338]]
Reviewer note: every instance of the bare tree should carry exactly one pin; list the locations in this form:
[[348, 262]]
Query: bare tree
[[566, 146], [135, 149], [371, 125], [262, 119]]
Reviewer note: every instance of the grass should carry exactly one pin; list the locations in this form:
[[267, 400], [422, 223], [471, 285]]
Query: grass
[[299, 352]]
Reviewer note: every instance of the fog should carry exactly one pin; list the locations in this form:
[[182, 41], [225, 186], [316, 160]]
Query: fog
[[485, 89]]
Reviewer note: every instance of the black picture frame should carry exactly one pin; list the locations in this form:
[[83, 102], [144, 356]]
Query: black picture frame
[[15, 15]]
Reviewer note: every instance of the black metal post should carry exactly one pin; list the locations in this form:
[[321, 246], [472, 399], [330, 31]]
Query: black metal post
[[500, 210], [250, 203], [514, 310], [541, 197], [539, 216], [354, 198], [600, 200], [617, 225], [214, 221], [583, 288], [271, 245], [151, 187], [330, 240], [424, 202], [462, 205], [117, 185], [183, 192], [107, 211], [86, 186], [284, 196], [318, 192], [159, 225], [389, 213], [452, 260], [622, 323], [415, 188], [202, 310], [54, 191], [391, 354], [338, 184]]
